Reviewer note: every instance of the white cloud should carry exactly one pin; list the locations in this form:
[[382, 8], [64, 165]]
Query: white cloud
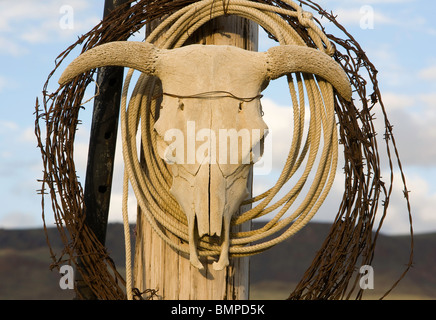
[[49, 30], [413, 138], [8, 46], [392, 69], [27, 135], [423, 202], [7, 126], [384, 1], [17, 220], [370, 14], [115, 210], [428, 73], [361, 16], [393, 100], [413, 117], [429, 100], [279, 121], [358, 15], [343, 3], [35, 22]]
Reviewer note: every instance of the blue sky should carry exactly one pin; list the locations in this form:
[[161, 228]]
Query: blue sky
[[399, 38]]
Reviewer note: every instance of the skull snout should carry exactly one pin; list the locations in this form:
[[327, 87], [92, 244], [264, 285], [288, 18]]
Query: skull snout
[[205, 197]]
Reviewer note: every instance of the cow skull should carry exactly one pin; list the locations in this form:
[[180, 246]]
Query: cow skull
[[214, 88]]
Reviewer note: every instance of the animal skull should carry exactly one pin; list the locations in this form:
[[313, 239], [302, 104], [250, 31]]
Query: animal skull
[[210, 188]]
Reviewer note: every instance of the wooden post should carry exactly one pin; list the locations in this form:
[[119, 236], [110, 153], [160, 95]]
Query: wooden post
[[156, 265], [101, 153]]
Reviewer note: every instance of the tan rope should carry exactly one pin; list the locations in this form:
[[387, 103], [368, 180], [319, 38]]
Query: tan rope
[[152, 188]]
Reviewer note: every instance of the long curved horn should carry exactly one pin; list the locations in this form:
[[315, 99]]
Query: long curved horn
[[138, 55], [291, 58]]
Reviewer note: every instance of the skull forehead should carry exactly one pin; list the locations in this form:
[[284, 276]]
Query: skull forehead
[[199, 68], [215, 114], [218, 122]]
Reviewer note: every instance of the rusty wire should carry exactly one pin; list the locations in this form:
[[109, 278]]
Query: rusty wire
[[60, 117], [351, 240]]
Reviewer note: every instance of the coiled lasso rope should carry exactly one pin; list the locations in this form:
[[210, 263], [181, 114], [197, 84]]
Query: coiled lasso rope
[[151, 188]]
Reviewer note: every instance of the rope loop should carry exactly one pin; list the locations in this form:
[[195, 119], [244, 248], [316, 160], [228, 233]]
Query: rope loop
[[321, 145], [305, 18], [152, 191]]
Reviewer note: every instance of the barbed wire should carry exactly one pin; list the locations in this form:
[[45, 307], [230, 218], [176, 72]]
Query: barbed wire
[[351, 240]]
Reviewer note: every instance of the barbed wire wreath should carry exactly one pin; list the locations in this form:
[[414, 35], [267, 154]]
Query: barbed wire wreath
[[351, 239]]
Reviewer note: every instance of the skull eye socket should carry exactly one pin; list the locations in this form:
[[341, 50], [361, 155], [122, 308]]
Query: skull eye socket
[[181, 105], [240, 106]]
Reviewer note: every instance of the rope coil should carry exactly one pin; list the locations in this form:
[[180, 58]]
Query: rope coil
[[152, 189]]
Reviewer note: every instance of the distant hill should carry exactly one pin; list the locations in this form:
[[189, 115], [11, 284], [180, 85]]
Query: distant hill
[[275, 272], [25, 260]]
